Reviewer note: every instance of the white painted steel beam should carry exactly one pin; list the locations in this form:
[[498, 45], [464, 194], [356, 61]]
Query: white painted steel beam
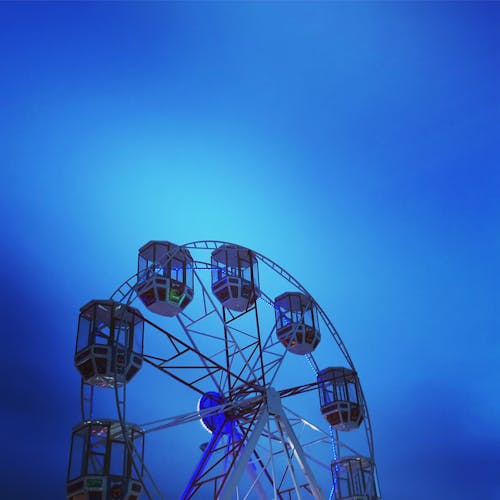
[[234, 478]]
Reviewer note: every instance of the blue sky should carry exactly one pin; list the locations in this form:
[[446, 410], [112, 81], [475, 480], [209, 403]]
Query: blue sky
[[354, 143]]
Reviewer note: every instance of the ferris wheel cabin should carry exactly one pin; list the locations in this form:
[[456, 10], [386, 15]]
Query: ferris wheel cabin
[[165, 281], [297, 322], [354, 479], [109, 343], [340, 398], [100, 466], [235, 277]]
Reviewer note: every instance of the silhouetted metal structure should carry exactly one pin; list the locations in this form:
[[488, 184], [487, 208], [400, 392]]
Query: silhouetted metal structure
[[236, 350]]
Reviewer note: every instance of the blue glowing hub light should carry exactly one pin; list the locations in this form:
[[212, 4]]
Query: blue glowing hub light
[[217, 421]]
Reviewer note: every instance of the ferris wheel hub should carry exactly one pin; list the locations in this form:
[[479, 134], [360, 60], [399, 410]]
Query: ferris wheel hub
[[273, 400], [239, 343]]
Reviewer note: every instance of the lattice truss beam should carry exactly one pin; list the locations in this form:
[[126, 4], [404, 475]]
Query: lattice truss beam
[[270, 438], [239, 356], [244, 342]]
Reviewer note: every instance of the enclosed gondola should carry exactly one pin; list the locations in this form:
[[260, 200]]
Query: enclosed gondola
[[297, 322], [101, 466], [235, 277], [165, 282], [354, 479], [109, 343], [231, 348], [340, 398]]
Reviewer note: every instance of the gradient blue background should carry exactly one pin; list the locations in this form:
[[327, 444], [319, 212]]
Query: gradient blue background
[[354, 143]]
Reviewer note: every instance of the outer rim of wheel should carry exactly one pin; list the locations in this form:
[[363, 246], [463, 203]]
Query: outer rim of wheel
[[126, 294]]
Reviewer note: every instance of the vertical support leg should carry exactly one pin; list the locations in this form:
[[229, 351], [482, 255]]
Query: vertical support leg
[[216, 437], [275, 408], [290, 464], [232, 481]]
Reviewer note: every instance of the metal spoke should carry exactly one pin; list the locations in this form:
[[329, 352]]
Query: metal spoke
[[234, 354]]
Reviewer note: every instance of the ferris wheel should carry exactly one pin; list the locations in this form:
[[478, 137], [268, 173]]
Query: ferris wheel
[[230, 333]]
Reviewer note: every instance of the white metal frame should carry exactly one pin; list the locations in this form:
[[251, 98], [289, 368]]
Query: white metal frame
[[271, 412]]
